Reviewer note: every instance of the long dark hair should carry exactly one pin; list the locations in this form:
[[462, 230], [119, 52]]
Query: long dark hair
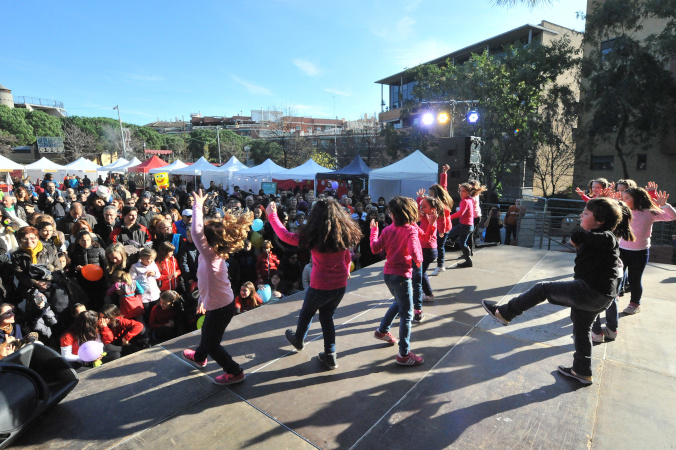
[[442, 194], [404, 210], [643, 201], [329, 228], [86, 326], [110, 312], [615, 216]]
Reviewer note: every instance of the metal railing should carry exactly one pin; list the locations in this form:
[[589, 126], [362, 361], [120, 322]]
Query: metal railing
[[23, 100]]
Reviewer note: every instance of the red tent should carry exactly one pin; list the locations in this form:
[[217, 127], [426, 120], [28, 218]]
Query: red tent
[[145, 166]]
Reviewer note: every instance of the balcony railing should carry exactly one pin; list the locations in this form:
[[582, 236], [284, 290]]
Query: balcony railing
[[23, 100]]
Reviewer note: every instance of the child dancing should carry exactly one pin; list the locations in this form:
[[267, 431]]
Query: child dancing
[[329, 234], [594, 285], [444, 224], [214, 240], [401, 244]]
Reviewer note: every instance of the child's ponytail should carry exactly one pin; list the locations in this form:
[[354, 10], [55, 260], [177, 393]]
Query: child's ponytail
[[623, 229]]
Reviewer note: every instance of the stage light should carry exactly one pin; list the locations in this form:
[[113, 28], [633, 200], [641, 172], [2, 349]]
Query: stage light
[[428, 118], [472, 116], [443, 117]]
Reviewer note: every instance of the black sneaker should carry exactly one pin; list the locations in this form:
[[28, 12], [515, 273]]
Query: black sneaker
[[329, 359], [568, 371], [418, 317], [291, 337], [492, 309], [465, 263]]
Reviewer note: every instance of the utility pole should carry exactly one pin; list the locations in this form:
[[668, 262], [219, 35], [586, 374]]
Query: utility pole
[[218, 139], [124, 147]]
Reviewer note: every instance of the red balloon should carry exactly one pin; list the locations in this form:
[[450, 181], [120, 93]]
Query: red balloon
[[92, 272]]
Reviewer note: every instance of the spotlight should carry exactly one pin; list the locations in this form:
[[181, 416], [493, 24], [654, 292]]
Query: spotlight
[[428, 118], [472, 116], [443, 117]]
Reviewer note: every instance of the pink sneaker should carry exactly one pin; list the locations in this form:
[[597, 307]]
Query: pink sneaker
[[409, 360], [190, 356], [226, 378], [387, 337]]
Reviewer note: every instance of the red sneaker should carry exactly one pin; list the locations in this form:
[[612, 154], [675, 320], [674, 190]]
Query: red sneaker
[[387, 337], [226, 378], [190, 356], [409, 360]]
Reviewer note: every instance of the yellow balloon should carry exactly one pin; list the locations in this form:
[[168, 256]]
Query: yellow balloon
[[256, 240], [351, 266]]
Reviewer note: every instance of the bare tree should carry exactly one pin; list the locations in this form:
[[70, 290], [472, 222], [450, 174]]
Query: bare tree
[[77, 142], [6, 142]]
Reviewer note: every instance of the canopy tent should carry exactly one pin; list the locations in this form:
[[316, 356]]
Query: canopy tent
[[83, 166], [178, 164], [195, 169], [125, 167], [43, 165], [148, 164], [404, 177], [7, 165], [103, 171], [251, 178], [224, 174], [306, 171], [356, 169]]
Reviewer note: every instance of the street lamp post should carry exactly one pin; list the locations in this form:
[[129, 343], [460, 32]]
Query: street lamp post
[[124, 147]]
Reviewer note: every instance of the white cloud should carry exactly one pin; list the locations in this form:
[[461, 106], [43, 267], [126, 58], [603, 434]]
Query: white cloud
[[252, 88], [421, 52], [338, 92], [403, 29], [308, 68]]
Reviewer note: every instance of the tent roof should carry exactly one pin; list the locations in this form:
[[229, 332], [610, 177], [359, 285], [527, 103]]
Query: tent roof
[[118, 162], [7, 164], [178, 164], [414, 166], [357, 168], [82, 164], [233, 165], [266, 168], [195, 168], [44, 163], [306, 171], [121, 169], [148, 164]]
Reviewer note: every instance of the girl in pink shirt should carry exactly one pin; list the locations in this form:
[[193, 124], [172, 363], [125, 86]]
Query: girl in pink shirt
[[402, 246], [465, 213], [430, 209], [214, 241], [329, 234], [444, 225]]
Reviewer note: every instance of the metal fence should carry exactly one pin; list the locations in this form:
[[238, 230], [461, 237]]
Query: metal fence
[[549, 223]]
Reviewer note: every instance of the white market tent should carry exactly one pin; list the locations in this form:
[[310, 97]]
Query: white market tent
[[306, 171], [224, 174], [194, 169], [178, 164], [7, 165], [43, 165], [123, 168], [83, 166], [103, 171], [404, 177], [253, 177]]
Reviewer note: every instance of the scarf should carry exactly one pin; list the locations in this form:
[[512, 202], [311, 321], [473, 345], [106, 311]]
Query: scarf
[[34, 252]]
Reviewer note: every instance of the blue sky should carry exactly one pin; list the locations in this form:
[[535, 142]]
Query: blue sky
[[168, 59]]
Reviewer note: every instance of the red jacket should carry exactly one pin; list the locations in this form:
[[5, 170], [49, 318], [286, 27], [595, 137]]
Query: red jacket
[[126, 329], [444, 224], [266, 263], [160, 317], [169, 273]]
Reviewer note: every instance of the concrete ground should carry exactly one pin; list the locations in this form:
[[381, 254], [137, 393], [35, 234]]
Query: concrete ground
[[482, 385]]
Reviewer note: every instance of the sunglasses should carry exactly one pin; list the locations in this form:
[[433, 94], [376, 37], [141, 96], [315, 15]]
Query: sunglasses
[[7, 313]]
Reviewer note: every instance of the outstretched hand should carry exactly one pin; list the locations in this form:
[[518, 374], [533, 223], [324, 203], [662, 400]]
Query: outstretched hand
[[445, 168], [271, 209], [661, 198], [608, 192], [421, 192], [652, 186], [199, 197], [374, 224]]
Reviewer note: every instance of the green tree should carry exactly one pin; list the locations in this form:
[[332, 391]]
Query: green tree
[[262, 150], [13, 122], [509, 88], [628, 90], [43, 124], [232, 144], [202, 143]]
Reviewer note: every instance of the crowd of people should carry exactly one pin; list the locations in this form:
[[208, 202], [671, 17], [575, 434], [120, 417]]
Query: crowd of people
[[128, 267]]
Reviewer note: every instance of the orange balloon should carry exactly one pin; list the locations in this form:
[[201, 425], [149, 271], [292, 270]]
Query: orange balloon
[[92, 272]]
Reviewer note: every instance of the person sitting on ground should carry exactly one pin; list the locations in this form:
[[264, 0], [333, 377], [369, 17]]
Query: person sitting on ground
[[163, 317], [120, 334], [247, 299]]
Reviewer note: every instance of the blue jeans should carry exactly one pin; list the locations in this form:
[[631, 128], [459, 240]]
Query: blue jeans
[[585, 304], [215, 323], [402, 290], [634, 264], [441, 249], [326, 301], [462, 232], [420, 282]]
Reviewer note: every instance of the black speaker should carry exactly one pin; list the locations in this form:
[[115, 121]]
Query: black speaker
[[455, 152], [32, 380]]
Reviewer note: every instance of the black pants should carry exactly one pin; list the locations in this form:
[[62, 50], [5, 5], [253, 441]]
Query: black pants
[[215, 323]]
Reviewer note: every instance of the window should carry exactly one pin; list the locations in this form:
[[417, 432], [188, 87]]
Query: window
[[602, 162], [298, 128], [309, 129], [641, 162]]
